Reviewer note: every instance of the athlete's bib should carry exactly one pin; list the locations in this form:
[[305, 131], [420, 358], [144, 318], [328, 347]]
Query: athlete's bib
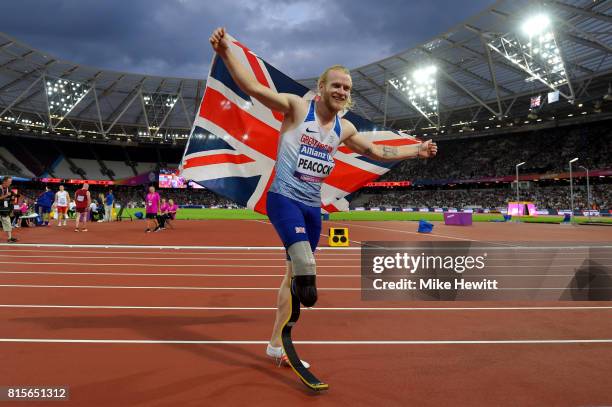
[[313, 164], [80, 198], [61, 200]]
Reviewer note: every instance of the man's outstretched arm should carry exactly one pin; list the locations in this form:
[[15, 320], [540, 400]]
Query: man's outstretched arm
[[362, 145], [280, 102]]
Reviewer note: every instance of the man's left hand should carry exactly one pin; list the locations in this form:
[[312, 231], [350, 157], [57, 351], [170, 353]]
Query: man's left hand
[[428, 149]]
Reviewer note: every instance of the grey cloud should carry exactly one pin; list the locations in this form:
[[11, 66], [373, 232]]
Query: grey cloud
[[170, 38]]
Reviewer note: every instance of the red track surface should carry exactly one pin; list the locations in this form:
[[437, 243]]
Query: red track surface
[[166, 373]]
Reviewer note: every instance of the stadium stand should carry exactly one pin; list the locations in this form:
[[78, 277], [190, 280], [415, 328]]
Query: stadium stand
[[546, 151], [10, 165]]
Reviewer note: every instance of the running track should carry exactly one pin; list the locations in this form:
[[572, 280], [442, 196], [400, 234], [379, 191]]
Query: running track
[[192, 330]]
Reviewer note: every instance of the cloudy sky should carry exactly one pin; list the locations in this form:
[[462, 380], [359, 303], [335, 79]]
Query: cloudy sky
[[170, 37]]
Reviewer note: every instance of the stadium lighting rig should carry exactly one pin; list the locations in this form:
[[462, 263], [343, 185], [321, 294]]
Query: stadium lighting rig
[[62, 96], [534, 49], [420, 87], [157, 108]]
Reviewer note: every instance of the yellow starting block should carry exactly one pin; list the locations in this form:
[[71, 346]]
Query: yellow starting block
[[338, 237]]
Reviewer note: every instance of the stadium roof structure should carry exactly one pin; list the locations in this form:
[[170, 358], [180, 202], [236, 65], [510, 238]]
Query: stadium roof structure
[[475, 81]]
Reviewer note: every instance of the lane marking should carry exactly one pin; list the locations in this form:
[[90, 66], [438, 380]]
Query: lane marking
[[264, 342], [378, 309], [277, 258], [161, 287], [276, 255], [355, 257], [177, 247], [251, 266], [260, 288], [88, 273], [257, 266]]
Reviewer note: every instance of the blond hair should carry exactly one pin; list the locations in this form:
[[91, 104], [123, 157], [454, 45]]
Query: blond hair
[[323, 79]]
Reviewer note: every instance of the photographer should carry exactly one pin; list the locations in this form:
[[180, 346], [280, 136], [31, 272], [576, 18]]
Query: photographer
[[6, 206]]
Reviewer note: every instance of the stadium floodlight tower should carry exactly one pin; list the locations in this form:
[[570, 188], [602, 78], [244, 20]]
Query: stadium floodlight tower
[[62, 96], [517, 180], [534, 50], [422, 92], [573, 160], [588, 191]]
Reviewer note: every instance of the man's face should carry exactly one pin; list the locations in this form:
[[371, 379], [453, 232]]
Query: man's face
[[61, 188], [336, 90], [151, 189], [7, 182]]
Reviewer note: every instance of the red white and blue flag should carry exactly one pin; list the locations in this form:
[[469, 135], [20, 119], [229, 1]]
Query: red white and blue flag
[[233, 143]]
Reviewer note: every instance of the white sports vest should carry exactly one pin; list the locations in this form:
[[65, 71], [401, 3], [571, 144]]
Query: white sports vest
[[305, 158], [62, 198]]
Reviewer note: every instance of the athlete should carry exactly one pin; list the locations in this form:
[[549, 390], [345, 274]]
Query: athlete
[[82, 198], [62, 199], [311, 132]]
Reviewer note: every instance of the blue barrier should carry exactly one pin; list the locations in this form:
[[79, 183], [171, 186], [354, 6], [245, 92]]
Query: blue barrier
[[425, 227]]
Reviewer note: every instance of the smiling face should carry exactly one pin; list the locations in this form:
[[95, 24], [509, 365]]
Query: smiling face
[[335, 86]]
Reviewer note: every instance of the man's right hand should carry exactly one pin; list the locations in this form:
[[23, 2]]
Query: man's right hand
[[219, 41]]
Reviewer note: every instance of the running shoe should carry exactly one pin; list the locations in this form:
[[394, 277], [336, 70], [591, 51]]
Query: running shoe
[[279, 355]]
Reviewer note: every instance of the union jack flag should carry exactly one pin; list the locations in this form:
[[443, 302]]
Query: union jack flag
[[233, 143]]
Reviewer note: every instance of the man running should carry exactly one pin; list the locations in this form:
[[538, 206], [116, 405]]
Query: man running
[[82, 198], [311, 132], [62, 199]]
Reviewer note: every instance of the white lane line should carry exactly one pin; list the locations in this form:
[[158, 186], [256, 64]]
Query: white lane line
[[264, 342], [416, 309], [86, 273], [282, 258], [59, 273], [277, 258], [126, 246], [275, 254], [250, 266], [197, 288], [163, 287]]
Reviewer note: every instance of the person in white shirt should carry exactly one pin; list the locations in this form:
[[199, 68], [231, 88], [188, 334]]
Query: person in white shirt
[[62, 200]]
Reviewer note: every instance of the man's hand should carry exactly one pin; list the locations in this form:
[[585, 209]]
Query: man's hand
[[428, 149], [219, 41]]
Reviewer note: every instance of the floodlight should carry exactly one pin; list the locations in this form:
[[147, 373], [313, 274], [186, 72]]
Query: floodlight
[[536, 24], [62, 96], [573, 160], [421, 90], [157, 108], [535, 50]]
